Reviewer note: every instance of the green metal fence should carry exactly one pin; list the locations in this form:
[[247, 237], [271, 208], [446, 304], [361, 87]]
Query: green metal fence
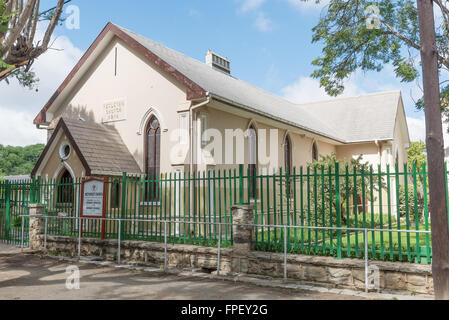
[[14, 202], [344, 197]]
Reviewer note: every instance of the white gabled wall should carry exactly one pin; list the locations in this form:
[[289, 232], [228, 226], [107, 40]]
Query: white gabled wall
[[141, 85], [401, 138]]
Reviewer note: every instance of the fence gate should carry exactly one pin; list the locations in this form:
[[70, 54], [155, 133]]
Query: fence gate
[[4, 212], [14, 203]]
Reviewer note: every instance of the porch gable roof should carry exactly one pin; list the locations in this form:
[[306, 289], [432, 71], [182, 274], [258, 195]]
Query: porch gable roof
[[99, 147]]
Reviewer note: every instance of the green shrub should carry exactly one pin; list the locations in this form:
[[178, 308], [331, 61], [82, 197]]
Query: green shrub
[[407, 201]]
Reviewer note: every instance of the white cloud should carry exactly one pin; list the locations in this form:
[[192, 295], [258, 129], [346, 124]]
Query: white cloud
[[307, 90], [309, 4], [18, 129], [250, 5], [263, 23], [417, 129], [19, 106]]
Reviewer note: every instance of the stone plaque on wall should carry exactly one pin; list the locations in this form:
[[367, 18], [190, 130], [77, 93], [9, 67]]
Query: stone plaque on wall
[[114, 110]]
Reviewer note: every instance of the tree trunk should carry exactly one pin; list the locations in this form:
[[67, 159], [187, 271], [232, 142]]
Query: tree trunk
[[435, 151]]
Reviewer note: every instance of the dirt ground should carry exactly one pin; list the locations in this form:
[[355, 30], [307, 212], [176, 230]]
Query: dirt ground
[[26, 276]]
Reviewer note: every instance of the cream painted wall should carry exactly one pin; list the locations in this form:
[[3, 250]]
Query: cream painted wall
[[370, 152], [141, 85], [385, 152], [50, 168], [301, 144], [401, 139]]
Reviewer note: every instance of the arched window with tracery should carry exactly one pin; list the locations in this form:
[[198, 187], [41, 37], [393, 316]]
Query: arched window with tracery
[[152, 159]]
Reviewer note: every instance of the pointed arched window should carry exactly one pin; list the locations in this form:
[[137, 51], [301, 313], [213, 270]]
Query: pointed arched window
[[152, 158], [314, 152], [288, 165], [65, 188], [252, 161], [288, 154]]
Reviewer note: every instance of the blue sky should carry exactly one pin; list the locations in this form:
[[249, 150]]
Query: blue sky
[[269, 43]]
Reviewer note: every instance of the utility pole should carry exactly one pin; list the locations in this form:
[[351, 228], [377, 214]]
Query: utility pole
[[435, 150]]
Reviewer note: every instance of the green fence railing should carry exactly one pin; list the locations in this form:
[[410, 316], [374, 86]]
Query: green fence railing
[[14, 202], [391, 199]]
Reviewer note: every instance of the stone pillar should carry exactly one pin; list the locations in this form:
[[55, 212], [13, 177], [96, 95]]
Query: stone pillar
[[243, 236], [36, 225]]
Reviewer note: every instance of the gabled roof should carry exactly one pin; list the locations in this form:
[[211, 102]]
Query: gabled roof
[[99, 147], [363, 118], [367, 118], [235, 90]]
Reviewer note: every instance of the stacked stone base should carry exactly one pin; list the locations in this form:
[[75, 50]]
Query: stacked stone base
[[143, 253], [326, 271], [344, 273], [241, 259]]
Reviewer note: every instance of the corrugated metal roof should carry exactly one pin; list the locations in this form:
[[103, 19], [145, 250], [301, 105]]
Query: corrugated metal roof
[[363, 118]]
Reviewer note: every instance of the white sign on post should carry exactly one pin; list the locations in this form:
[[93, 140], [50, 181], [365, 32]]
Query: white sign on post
[[93, 197]]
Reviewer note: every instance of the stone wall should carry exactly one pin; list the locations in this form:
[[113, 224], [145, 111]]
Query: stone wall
[[344, 273], [143, 253], [242, 259]]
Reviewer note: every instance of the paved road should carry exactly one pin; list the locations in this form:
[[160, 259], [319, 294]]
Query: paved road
[[27, 276]]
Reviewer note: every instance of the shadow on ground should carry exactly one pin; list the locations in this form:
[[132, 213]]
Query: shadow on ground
[[27, 276]]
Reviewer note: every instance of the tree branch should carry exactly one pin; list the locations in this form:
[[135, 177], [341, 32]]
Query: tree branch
[[442, 59], [34, 26], [24, 16], [19, 50], [52, 26]]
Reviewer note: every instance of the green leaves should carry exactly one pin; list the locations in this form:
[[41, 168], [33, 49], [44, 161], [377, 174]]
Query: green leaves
[[349, 45], [4, 65], [26, 79], [4, 18], [405, 70], [348, 187], [19, 160], [417, 153]]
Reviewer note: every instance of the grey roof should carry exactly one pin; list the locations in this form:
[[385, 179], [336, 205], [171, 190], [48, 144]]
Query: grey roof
[[235, 90], [19, 178], [369, 117], [362, 118], [102, 148]]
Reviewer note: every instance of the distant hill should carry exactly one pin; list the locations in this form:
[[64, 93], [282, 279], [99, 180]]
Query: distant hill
[[19, 160]]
